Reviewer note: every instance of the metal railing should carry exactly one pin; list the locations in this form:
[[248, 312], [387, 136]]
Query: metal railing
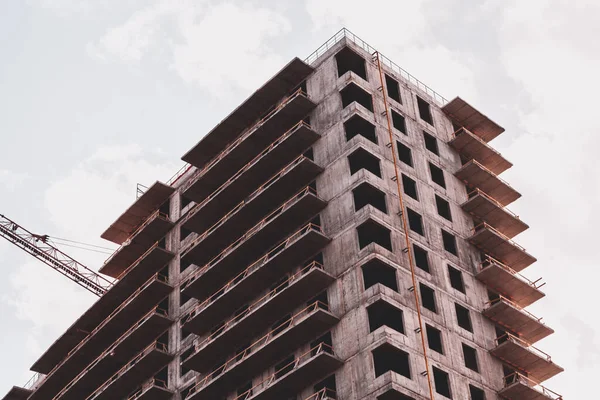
[[153, 382], [519, 378], [463, 130], [475, 162], [480, 192], [277, 249], [297, 363], [489, 260], [110, 350], [158, 346], [508, 337], [323, 394], [244, 136], [485, 225], [34, 381], [155, 215], [501, 299], [241, 313], [346, 34], [256, 228], [260, 343]]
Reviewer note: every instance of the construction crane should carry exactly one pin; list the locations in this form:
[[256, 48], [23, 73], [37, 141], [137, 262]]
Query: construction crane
[[39, 247]]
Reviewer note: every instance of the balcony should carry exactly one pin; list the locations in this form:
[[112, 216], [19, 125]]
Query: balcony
[[147, 363], [130, 280], [508, 314], [500, 247], [323, 394], [112, 359], [296, 331], [520, 387], [257, 105], [263, 313], [103, 336], [485, 209], [463, 114], [471, 147], [250, 145], [254, 243], [143, 238], [138, 212], [509, 283], [208, 245], [521, 355], [154, 389], [269, 195], [477, 176], [17, 393], [289, 253], [317, 363]]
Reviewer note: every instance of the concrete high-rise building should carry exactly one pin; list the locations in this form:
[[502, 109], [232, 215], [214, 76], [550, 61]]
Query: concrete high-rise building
[[342, 234]]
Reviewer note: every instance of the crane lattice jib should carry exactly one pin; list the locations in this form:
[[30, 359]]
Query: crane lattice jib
[[38, 246]]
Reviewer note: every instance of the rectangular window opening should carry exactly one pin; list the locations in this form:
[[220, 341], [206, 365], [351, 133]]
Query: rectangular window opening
[[360, 159], [427, 297], [404, 154], [382, 313], [415, 221], [399, 122], [424, 111], [470, 357], [437, 175], [443, 208], [410, 187], [353, 93], [348, 60], [442, 382], [476, 393], [372, 232], [449, 242], [367, 194], [375, 271], [463, 317], [393, 88], [456, 279], [431, 143], [357, 125], [421, 258], [434, 339], [389, 358]]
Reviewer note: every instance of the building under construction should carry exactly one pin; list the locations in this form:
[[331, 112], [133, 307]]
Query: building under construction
[[342, 234]]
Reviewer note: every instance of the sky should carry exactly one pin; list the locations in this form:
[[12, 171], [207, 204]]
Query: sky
[[99, 95]]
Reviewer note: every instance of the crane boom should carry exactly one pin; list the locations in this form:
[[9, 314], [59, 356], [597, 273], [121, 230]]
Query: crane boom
[[38, 246]]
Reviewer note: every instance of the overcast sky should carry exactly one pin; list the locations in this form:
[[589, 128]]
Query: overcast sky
[[98, 95]]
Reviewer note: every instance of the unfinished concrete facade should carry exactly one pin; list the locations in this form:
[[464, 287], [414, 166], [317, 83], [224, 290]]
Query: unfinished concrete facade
[[276, 264]]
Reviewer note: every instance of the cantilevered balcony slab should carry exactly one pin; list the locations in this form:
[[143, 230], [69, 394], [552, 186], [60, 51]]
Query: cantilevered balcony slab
[[131, 280], [506, 313], [477, 176], [248, 177], [492, 242], [463, 114], [259, 316], [258, 204], [208, 245], [287, 116], [138, 212], [506, 281], [521, 388], [288, 254], [254, 243], [300, 329], [535, 363], [147, 234], [97, 341], [17, 393], [471, 146], [145, 331], [145, 365], [317, 364], [153, 389], [485, 209], [252, 109]]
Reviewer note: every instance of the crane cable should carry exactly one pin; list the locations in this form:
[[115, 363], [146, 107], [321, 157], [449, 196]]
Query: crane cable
[[404, 225]]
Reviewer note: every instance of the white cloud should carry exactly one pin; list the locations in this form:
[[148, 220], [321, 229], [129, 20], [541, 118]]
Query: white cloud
[[10, 180], [96, 192], [219, 47]]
